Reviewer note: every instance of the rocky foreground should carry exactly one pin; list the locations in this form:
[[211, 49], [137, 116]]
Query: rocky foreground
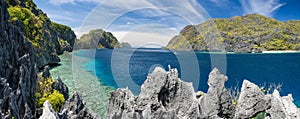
[[164, 96]]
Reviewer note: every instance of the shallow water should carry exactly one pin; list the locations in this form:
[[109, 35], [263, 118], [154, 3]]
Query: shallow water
[[75, 74]]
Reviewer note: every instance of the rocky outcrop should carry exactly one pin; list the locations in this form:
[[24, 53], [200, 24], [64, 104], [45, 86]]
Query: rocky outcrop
[[19, 63], [164, 95], [298, 113], [217, 102], [72, 108], [75, 108], [48, 39], [251, 101], [17, 70], [48, 112], [97, 39], [282, 107], [61, 88]]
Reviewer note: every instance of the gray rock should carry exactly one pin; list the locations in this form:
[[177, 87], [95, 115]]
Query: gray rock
[[17, 69], [46, 72], [282, 107], [298, 115], [290, 108], [251, 101], [75, 108], [163, 95], [48, 112], [61, 87], [121, 98], [28, 113], [217, 102], [277, 110]]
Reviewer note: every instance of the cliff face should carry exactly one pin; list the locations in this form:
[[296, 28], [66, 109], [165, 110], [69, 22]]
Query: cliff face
[[17, 70], [250, 33], [164, 96], [49, 39], [97, 39]]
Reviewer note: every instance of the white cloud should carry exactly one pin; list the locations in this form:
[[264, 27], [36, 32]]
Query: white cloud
[[147, 34], [220, 2], [108, 12], [263, 7], [141, 39], [59, 2]]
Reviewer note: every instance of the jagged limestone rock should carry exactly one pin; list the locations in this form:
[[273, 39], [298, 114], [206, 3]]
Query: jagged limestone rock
[[251, 101], [217, 102], [125, 99], [75, 108], [17, 69], [282, 107], [164, 95], [48, 112], [61, 88]]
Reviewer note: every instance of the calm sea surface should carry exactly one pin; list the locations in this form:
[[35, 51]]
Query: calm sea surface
[[129, 67]]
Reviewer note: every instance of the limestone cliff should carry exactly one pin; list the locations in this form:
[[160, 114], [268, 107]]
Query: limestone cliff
[[48, 38], [17, 70], [97, 39], [19, 65]]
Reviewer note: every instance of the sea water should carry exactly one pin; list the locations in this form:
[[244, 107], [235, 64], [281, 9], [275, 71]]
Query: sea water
[[263, 69]]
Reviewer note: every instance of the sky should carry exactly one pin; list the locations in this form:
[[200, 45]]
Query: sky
[[152, 22]]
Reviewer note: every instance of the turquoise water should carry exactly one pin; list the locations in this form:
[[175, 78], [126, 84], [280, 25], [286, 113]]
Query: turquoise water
[[129, 68], [76, 74]]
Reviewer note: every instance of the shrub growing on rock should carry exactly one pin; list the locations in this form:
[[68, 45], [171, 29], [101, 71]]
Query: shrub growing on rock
[[45, 92]]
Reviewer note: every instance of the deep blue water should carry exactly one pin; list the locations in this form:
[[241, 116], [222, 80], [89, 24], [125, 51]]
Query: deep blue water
[[131, 67]]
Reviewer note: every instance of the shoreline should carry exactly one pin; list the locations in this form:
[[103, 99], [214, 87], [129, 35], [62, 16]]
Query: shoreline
[[286, 51], [93, 92]]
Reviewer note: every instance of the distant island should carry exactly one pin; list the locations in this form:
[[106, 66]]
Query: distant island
[[249, 33], [99, 39]]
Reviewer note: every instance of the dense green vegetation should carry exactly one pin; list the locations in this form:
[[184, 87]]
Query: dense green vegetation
[[46, 92], [31, 23], [97, 39], [47, 37], [250, 33]]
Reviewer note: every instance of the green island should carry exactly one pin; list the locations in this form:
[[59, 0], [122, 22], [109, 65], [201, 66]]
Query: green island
[[31, 42], [249, 33], [99, 39]]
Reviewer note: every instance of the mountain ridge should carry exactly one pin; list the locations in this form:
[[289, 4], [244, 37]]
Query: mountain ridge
[[249, 33]]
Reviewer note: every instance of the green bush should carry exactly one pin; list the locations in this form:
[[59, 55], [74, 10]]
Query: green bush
[[32, 24], [55, 98], [46, 92]]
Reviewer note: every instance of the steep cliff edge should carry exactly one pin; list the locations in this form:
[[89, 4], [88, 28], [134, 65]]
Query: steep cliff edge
[[19, 63], [99, 39], [164, 96], [48, 38], [249, 33], [17, 70]]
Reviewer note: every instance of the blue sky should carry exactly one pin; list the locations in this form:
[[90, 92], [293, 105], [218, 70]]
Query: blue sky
[[142, 22]]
